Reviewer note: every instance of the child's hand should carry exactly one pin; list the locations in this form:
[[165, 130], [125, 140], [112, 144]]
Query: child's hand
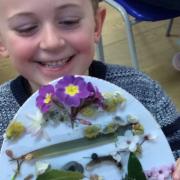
[[176, 174]]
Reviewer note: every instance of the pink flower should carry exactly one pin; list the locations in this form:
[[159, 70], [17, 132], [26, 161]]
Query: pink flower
[[161, 173]]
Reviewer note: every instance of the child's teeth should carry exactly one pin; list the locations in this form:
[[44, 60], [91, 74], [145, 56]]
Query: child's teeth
[[57, 63]]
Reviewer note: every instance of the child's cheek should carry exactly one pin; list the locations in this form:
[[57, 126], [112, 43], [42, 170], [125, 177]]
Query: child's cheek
[[21, 49], [82, 42]]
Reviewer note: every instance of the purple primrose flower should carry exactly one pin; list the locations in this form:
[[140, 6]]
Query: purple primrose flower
[[95, 94], [44, 99], [71, 91]]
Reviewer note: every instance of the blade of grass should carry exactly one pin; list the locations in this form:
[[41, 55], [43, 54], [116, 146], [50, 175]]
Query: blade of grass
[[71, 146]]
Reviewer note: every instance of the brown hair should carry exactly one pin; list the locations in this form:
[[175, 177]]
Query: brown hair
[[95, 4]]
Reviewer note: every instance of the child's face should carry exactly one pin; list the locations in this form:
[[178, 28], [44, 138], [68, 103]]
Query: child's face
[[49, 38]]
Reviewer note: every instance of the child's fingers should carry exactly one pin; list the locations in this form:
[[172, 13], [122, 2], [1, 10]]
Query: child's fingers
[[176, 174]]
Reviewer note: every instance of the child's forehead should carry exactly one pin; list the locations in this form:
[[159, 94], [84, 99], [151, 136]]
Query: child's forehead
[[13, 6], [51, 1]]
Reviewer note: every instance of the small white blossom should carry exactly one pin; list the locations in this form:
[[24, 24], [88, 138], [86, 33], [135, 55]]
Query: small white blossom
[[37, 121], [151, 136], [128, 141], [37, 124], [132, 119], [41, 167]]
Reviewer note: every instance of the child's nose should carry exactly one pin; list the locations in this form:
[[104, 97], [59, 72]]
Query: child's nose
[[51, 39]]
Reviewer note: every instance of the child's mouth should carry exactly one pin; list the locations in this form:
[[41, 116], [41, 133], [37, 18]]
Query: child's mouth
[[55, 63]]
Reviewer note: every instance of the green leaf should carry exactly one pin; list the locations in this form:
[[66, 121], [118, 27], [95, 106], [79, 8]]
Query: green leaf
[[135, 170], [54, 174], [67, 147]]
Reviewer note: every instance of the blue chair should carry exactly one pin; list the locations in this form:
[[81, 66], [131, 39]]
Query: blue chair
[[141, 11]]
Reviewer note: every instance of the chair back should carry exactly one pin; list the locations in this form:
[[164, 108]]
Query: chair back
[[143, 11]]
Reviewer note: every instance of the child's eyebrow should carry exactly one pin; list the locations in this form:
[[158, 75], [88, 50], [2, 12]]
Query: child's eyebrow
[[20, 15]]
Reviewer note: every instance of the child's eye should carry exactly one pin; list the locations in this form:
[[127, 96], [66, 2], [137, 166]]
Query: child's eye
[[69, 23], [26, 29]]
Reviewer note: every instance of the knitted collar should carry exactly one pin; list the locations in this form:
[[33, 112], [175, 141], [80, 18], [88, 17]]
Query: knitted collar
[[21, 88]]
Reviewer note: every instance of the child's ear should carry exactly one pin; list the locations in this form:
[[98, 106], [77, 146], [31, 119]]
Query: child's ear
[[99, 20], [3, 50]]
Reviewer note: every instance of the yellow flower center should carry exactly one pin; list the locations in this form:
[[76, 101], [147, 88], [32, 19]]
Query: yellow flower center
[[72, 90], [48, 98]]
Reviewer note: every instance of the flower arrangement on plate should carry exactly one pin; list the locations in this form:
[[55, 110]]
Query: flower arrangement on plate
[[80, 127]]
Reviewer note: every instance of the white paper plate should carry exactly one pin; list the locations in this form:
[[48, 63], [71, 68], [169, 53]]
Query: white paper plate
[[155, 154]]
